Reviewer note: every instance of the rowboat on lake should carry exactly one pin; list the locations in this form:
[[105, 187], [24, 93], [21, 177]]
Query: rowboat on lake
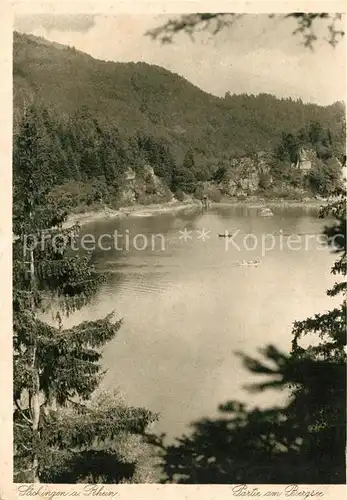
[[265, 212], [249, 263]]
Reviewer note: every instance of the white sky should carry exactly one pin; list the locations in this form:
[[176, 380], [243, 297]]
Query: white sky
[[255, 55]]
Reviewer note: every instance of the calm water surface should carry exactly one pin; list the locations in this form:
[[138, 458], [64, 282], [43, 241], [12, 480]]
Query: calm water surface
[[189, 307]]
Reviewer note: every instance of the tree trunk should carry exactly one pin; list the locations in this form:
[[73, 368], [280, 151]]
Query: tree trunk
[[35, 396], [35, 408]]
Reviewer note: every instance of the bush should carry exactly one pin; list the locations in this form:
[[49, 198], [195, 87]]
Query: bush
[[265, 180], [324, 152], [199, 192], [214, 194], [241, 197], [221, 174], [324, 179], [179, 195], [284, 194], [148, 199]]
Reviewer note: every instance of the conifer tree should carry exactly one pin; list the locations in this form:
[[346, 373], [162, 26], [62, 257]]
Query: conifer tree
[[321, 401], [55, 369]]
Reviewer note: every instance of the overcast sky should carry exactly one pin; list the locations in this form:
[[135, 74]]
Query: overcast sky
[[256, 54]]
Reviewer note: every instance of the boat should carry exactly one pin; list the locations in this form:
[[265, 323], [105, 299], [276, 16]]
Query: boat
[[249, 263], [265, 212]]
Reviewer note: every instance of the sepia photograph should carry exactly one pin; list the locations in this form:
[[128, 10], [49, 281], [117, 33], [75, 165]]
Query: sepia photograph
[[179, 250]]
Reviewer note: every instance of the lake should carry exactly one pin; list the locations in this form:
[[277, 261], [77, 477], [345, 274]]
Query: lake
[[188, 305]]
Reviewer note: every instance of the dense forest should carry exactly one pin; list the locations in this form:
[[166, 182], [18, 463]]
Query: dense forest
[[99, 119], [81, 127]]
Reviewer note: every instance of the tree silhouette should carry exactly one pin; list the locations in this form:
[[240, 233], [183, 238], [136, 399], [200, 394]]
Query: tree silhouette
[[276, 445], [193, 23], [302, 442]]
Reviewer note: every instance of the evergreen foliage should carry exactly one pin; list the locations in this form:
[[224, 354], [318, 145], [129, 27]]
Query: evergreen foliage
[[88, 121], [104, 117], [300, 443], [55, 369]]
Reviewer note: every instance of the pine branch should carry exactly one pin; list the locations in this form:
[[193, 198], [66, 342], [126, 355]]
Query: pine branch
[[25, 447], [71, 430], [16, 473], [20, 425], [331, 324]]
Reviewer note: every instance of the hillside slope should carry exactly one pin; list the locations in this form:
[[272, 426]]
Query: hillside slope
[[120, 133], [139, 96]]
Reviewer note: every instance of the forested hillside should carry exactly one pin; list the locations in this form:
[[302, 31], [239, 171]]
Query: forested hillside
[[90, 133], [98, 119]]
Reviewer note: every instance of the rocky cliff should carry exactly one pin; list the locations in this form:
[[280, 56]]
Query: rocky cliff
[[245, 175], [143, 187]]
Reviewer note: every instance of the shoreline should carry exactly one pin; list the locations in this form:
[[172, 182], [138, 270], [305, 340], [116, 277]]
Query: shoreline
[[262, 203], [173, 207], [107, 213]]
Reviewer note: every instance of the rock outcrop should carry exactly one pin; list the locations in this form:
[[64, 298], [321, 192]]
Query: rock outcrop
[[144, 187], [306, 160], [245, 174]]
